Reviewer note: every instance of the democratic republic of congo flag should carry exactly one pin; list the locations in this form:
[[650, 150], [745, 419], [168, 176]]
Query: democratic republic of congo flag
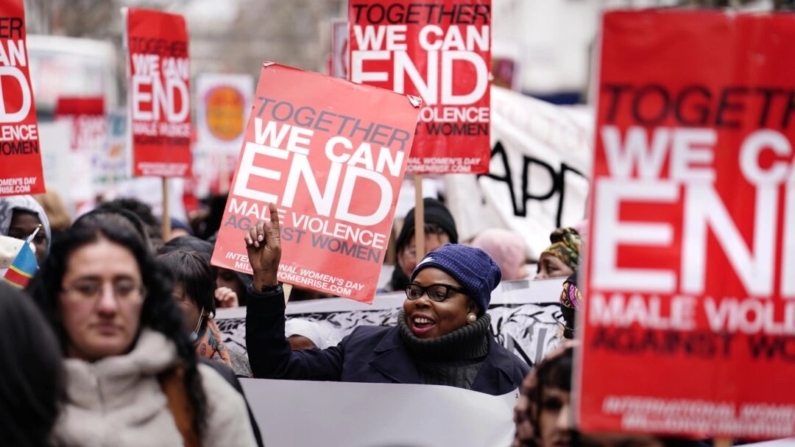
[[23, 268]]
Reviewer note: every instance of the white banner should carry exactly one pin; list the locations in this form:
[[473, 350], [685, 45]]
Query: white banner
[[541, 158], [378, 415], [524, 317]]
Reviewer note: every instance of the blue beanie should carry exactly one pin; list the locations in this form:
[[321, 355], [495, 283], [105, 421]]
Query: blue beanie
[[472, 267]]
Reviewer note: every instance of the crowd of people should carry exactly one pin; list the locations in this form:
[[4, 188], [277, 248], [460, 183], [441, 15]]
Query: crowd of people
[[113, 341]]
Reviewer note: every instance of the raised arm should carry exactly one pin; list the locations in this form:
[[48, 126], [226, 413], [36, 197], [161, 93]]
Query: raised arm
[[268, 349]]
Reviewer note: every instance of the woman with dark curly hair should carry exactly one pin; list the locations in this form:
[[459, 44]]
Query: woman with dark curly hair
[[132, 374]]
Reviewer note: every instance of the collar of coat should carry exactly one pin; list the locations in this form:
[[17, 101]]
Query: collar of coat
[[392, 359]]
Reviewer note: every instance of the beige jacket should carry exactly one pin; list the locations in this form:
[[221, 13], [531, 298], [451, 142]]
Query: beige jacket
[[118, 402]]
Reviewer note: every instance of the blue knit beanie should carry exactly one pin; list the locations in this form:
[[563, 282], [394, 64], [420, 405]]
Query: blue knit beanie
[[472, 267]]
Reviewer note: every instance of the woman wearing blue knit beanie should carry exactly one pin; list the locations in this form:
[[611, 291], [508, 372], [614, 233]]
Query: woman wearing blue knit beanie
[[442, 337]]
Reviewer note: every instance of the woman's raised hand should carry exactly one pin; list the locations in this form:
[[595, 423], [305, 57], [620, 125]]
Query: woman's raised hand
[[264, 247]]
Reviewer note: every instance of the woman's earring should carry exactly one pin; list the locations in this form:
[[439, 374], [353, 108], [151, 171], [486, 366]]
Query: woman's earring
[[471, 318]]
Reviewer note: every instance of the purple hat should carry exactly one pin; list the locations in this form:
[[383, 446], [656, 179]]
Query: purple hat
[[472, 267]]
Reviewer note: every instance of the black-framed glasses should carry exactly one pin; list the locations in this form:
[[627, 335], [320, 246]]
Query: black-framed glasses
[[435, 292]]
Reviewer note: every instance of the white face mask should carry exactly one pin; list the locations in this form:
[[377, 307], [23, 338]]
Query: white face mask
[[195, 334]]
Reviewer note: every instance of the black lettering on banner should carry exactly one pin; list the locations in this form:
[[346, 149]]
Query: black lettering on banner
[[788, 110], [557, 179], [484, 12], [422, 13], [513, 346], [381, 13], [726, 105], [635, 341], [447, 129], [772, 347], [352, 127], [508, 178], [283, 117], [701, 109], [413, 15], [290, 234], [358, 8], [11, 28], [145, 140], [321, 119], [19, 147], [394, 13], [616, 90], [650, 91], [244, 223], [163, 47], [697, 105], [399, 135], [238, 222], [347, 248], [767, 95], [306, 119]]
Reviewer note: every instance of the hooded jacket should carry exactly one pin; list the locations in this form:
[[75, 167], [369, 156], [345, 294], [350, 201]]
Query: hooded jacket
[[118, 402]]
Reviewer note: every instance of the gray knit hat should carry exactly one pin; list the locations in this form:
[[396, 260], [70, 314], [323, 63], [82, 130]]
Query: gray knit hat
[[472, 267]]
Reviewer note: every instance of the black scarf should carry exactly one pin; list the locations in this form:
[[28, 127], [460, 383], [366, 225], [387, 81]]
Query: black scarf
[[470, 342]]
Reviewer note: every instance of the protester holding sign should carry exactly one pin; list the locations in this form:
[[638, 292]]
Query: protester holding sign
[[442, 336], [133, 377], [332, 155]]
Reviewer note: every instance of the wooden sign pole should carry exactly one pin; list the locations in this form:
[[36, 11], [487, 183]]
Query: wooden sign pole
[[166, 226], [419, 218]]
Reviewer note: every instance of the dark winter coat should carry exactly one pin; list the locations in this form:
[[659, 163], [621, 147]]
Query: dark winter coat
[[370, 354]]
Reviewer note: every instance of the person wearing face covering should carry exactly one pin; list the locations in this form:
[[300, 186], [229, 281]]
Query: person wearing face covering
[[19, 218], [193, 293], [442, 337], [571, 303]]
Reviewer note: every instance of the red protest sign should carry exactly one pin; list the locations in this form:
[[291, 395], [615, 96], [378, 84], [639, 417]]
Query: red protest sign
[[331, 155], [20, 158], [689, 325], [86, 116], [439, 50], [159, 85]]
